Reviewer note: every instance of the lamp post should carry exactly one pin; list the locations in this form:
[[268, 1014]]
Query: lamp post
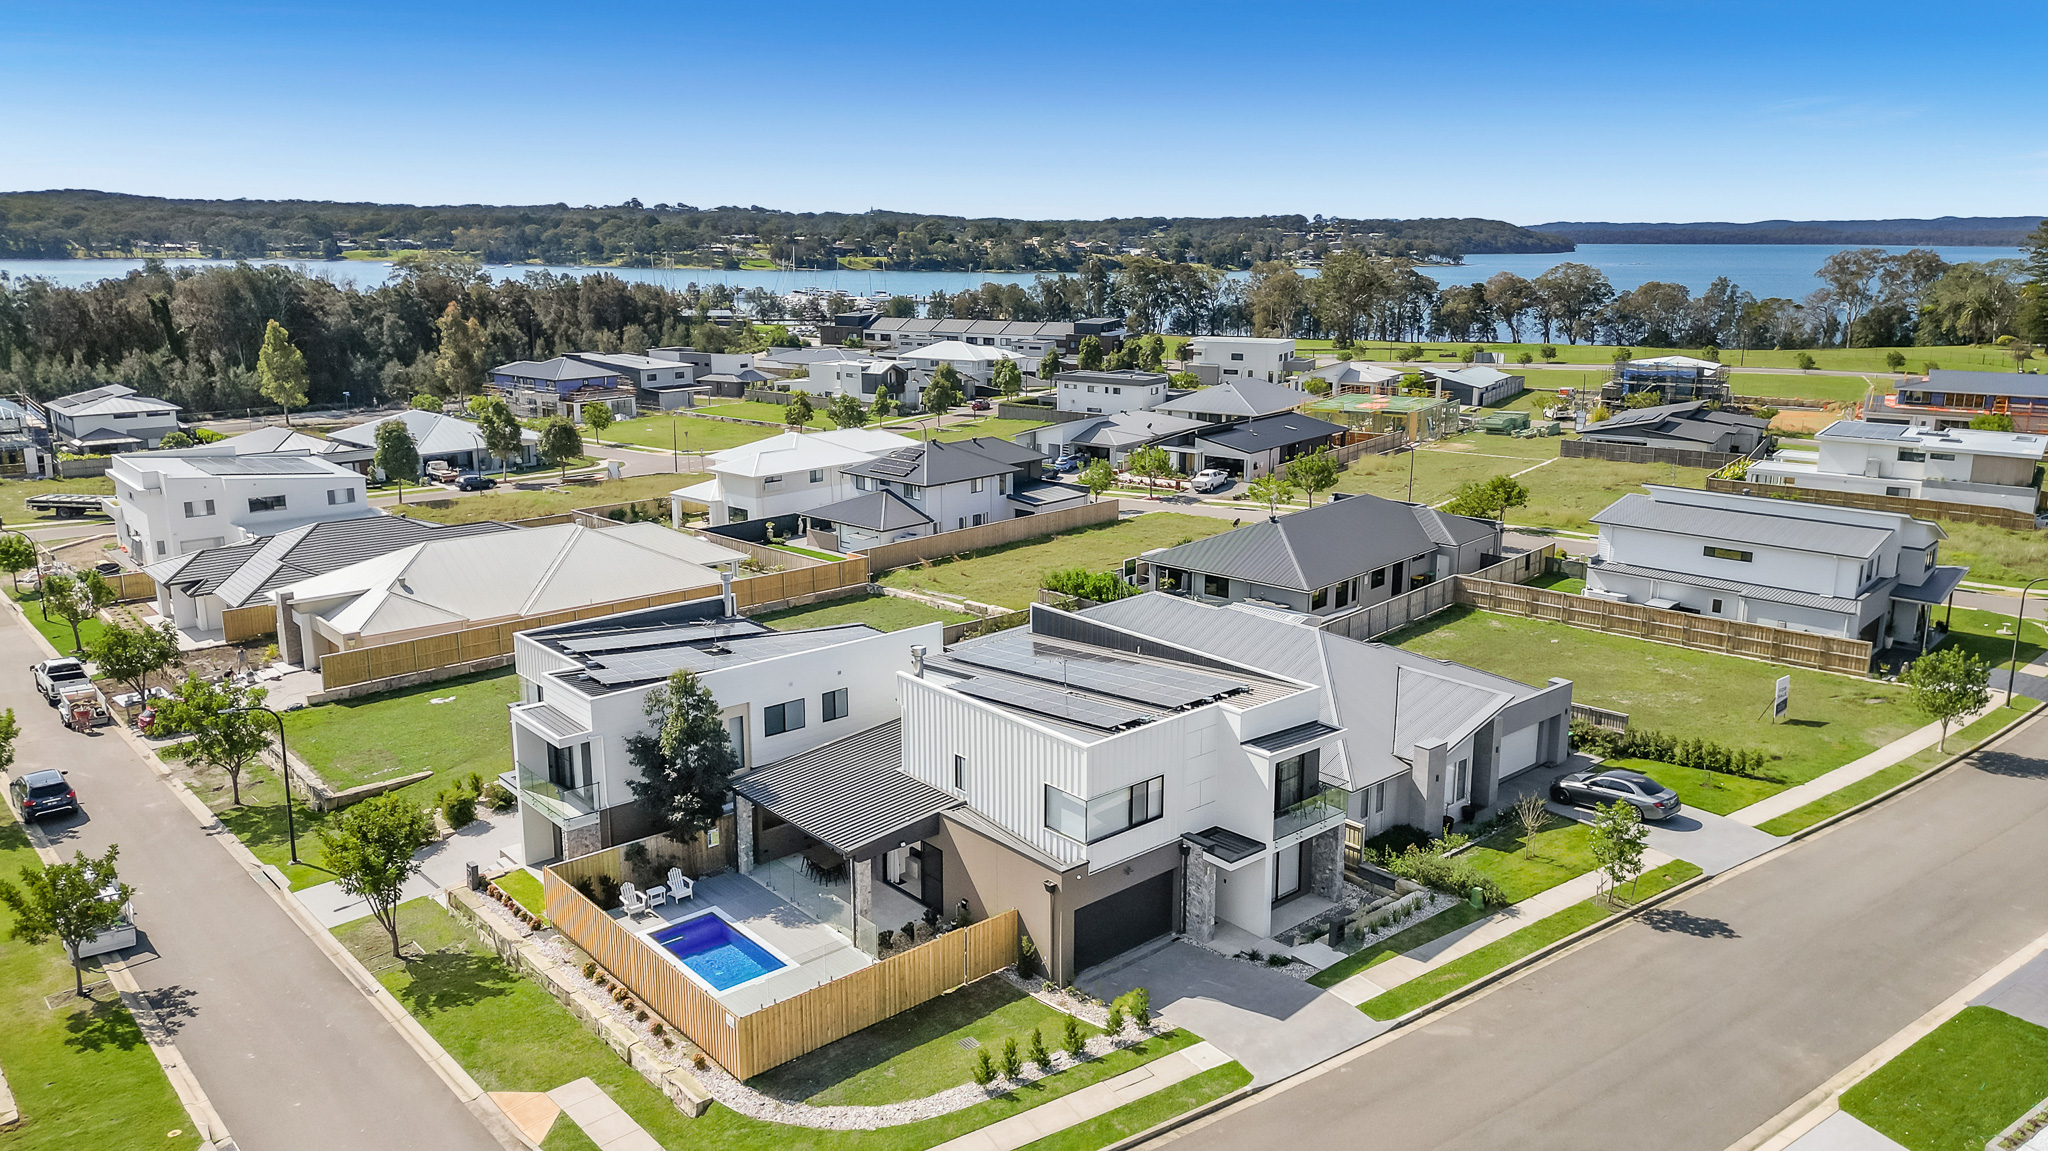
[[2019, 623], [284, 767]]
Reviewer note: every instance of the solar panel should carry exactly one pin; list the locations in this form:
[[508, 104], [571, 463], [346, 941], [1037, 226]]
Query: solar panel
[[1099, 714], [1124, 679], [893, 466], [659, 637]]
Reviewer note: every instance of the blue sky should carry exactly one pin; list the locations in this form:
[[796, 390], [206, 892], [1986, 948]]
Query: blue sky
[[1530, 112]]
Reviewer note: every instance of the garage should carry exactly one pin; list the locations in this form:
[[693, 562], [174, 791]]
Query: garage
[[1518, 750], [1116, 923]]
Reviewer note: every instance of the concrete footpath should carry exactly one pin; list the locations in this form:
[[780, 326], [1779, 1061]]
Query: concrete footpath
[[1793, 798], [1057, 1115]]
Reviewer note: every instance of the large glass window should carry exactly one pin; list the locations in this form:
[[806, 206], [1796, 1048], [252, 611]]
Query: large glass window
[[1294, 779], [777, 718], [1217, 586], [835, 705], [1065, 813], [1126, 807]]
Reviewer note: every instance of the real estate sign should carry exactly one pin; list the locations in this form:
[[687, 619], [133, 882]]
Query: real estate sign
[[1784, 697]]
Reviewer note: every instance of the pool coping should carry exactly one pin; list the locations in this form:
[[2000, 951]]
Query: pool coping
[[647, 936]]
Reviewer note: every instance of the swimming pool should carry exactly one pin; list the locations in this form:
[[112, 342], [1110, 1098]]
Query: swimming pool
[[715, 951]]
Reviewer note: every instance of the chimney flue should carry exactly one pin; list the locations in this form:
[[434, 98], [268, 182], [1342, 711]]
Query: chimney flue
[[732, 606], [917, 660]]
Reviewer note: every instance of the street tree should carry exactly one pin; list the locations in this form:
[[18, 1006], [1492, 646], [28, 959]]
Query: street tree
[[17, 555], [1098, 477], [503, 437], [1090, 357], [428, 402], [1313, 473], [281, 370], [1272, 490], [369, 848], [1007, 377], [560, 443], [133, 654], [846, 411], [1947, 684], [10, 730], [1049, 366], [1617, 843], [1488, 499], [1532, 814], [942, 393], [225, 734], [398, 457], [1150, 464], [68, 902], [685, 765], [597, 417], [459, 365], [67, 602], [799, 413]]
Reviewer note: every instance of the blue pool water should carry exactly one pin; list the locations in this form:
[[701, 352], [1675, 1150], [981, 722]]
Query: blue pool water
[[717, 951]]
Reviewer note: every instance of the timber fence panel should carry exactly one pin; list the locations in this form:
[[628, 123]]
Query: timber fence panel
[[1919, 508], [240, 623], [886, 557], [1580, 449]]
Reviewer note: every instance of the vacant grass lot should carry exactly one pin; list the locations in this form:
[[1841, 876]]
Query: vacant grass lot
[[1872, 786], [1439, 982], [1996, 555], [519, 505], [14, 495], [1959, 1086], [883, 612], [1563, 493], [377, 737], [1010, 575], [1820, 389], [691, 433], [1686, 693], [1972, 357], [512, 1036], [1977, 633], [1525, 866], [82, 1074]]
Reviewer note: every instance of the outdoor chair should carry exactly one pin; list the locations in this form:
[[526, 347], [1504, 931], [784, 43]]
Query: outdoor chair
[[681, 886], [632, 899]]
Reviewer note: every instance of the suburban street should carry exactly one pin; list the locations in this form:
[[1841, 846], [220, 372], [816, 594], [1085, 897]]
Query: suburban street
[[1707, 1017], [292, 1055]]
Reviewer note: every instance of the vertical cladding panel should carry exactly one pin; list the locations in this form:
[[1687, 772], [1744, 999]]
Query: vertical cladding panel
[[1009, 761]]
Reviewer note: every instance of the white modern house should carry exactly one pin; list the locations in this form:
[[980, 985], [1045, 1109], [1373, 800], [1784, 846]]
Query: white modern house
[[169, 503], [457, 443], [1865, 575], [1241, 357], [934, 487], [862, 377], [583, 687], [782, 475], [975, 362], [1107, 393], [1955, 465], [1026, 338], [114, 418]]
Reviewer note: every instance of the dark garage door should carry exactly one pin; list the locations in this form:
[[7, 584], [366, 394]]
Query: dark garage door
[[1116, 923]]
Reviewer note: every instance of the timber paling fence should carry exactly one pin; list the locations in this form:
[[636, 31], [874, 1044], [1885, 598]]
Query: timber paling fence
[[1371, 622]]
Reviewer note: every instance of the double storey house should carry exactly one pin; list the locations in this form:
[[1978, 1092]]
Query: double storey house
[[114, 418], [783, 475], [935, 487], [169, 503], [1954, 465]]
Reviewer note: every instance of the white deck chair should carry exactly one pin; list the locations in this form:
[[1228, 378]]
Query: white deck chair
[[681, 886], [632, 899]]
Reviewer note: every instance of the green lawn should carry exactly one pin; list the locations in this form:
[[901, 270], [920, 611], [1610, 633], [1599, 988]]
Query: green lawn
[[14, 495], [394, 733], [1562, 851], [1821, 389], [1685, 693], [1439, 982], [1975, 357], [1010, 575], [883, 612], [1703, 790], [519, 505], [55, 630], [260, 821], [525, 889], [967, 429], [691, 433], [1563, 493], [1996, 555], [1401, 942], [1871, 786], [1959, 1086], [793, 549], [512, 1036], [1977, 633], [82, 1075], [1147, 1112], [919, 1052]]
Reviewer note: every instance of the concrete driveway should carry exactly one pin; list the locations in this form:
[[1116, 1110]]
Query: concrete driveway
[[1714, 842], [1273, 1024]]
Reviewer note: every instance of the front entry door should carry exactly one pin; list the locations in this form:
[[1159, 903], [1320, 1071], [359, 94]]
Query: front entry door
[[933, 867], [1286, 872]]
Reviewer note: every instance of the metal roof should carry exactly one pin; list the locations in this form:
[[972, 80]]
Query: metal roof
[[1939, 584], [109, 400], [264, 465], [1757, 526], [1430, 707], [1270, 432], [1974, 441], [432, 433], [246, 571], [945, 462], [1293, 737], [1038, 493], [1315, 548], [1241, 398], [849, 794], [1225, 844], [559, 368], [1957, 381], [875, 511]]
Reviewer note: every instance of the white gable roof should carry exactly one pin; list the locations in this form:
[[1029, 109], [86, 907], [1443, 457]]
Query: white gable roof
[[802, 451]]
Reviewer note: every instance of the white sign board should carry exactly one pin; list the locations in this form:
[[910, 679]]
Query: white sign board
[[1784, 697]]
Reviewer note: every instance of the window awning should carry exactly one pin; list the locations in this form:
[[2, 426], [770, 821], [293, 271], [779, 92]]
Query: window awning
[[1940, 583]]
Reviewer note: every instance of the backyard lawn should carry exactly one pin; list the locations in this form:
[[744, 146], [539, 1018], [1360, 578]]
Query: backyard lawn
[[1959, 1086], [882, 612], [1562, 850], [377, 737], [82, 1075], [1563, 493], [1685, 693], [692, 433], [14, 495], [1010, 575], [519, 505], [512, 1036]]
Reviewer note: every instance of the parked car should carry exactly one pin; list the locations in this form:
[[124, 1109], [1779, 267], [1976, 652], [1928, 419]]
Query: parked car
[[41, 793], [1652, 800], [1211, 480], [978, 406], [1066, 463], [475, 482], [110, 568], [441, 472], [54, 676]]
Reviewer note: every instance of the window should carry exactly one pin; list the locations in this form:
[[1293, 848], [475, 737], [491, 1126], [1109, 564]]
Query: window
[[1464, 778], [266, 503], [1717, 607], [1215, 585], [1319, 600], [780, 717], [817, 475], [1126, 807], [193, 508], [833, 705], [976, 484], [735, 515], [1294, 779], [1064, 813], [159, 547], [1379, 578], [341, 495], [736, 735], [1727, 554], [1344, 593], [771, 479], [1890, 491], [912, 491], [1379, 797], [1941, 455], [860, 483], [1237, 355], [1908, 455]]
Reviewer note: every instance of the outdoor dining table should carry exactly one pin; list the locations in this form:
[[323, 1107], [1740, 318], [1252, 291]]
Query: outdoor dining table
[[823, 862]]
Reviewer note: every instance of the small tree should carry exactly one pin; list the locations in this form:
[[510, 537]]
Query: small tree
[[71, 902], [224, 734], [1531, 813], [846, 411], [1090, 358], [64, 599], [1805, 362], [1149, 463], [559, 444], [369, 848], [1992, 422], [1313, 473], [685, 765], [1548, 352], [281, 370], [1049, 366], [1153, 353], [1272, 490], [1007, 378], [459, 364], [503, 437], [942, 391], [1947, 684], [428, 402], [10, 730], [1895, 361], [133, 654], [1098, 477], [398, 457], [597, 417], [798, 413], [17, 555], [1489, 499], [1617, 843], [174, 440]]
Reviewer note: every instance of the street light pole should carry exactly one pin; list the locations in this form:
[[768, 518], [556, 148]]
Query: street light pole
[[284, 766], [2019, 623]]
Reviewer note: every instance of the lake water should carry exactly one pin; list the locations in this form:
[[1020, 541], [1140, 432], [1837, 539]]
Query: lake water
[[1764, 269]]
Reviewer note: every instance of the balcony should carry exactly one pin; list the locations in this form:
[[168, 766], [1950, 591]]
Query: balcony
[[1319, 812], [568, 808]]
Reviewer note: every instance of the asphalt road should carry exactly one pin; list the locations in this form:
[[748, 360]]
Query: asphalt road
[[293, 1057], [1689, 1028]]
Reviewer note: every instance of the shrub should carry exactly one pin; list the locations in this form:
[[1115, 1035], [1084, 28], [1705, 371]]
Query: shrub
[[658, 1029], [984, 1070], [458, 807], [601, 890], [909, 933], [884, 938], [1138, 1002], [1115, 1023], [1013, 1063], [1072, 1039], [589, 970], [1277, 960], [1027, 958], [637, 859], [1039, 1054], [499, 797], [1429, 867], [1804, 361], [1101, 587], [699, 1062], [1703, 754], [641, 1015]]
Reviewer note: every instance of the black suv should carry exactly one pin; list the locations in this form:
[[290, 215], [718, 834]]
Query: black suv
[[41, 793]]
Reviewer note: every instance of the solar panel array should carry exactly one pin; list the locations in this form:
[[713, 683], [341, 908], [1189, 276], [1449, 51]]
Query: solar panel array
[[659, 637], [1169, 687], [1047, 701], [896, 466]]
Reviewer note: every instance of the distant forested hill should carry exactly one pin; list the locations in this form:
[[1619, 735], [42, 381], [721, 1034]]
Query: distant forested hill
[[60, 224], [1992, 231]]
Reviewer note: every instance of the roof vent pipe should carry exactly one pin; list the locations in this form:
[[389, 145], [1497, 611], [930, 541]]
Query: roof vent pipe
[[732, 605], [917, 660]]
